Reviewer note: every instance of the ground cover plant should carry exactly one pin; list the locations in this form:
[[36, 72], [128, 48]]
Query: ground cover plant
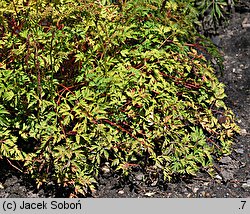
[[86, 83]]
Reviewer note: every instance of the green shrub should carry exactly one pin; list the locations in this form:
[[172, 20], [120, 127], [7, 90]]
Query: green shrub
[[83, 83]]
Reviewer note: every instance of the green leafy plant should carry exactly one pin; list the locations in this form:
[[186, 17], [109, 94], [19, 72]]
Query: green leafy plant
[[88, 82], [212, 12]]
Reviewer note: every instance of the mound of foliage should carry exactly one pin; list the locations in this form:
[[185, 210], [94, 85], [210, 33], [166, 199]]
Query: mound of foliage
[[86, 83]]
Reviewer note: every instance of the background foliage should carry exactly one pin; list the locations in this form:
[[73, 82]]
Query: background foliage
[[213, 13], [88, 82]]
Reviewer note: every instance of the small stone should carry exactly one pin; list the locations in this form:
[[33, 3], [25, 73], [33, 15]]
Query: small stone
[[139, 177], [246, 23], [207, 195], [149, 194], [246, 186], [120, 192], [227, 175], [243, 132], [105, 170], [1, 186], [216, 40], [243, 164], [154, 183], [203, 194], [11, 181], [235, 185], [195, 189], [218, 177], [226, 160], [239, 151]]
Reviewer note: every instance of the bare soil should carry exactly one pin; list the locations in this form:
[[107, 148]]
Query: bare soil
[[233, 172]]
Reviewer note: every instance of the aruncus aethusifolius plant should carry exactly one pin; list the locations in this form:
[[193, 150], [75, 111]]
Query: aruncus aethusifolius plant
[[83, 83]]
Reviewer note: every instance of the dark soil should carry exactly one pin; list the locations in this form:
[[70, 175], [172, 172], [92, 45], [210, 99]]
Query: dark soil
[[233, 172]]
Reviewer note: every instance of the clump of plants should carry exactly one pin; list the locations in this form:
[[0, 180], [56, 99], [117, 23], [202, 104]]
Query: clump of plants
[[212, 13], [88, 82]]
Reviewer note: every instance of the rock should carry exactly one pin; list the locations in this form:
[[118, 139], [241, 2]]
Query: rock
[[139, 177], [239, 151], [1, 186], [207, 195], [218, 177], [203, 194], [216, 40], [120, 192], [246, 23], [149, 194], [226, 160], [11, 181], [227, 175], [242, 164], [246, 186], [154, 183], [195, 189], [243, 132], [106, 168], [228, 163]]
